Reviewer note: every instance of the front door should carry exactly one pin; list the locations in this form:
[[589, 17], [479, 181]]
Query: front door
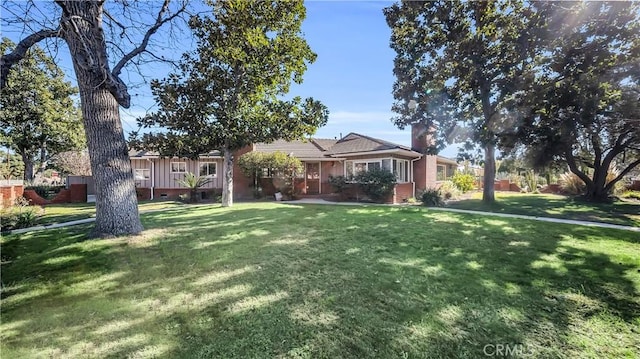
[[312, 177]]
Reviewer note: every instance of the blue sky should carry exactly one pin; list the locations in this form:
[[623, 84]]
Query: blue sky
[[352, 76]]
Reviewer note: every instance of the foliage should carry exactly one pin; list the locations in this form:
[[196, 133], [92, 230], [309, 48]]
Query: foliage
[[377, 184], [449, 190], [339, 183], [11, 166], [194, 183], [584, 107], [460, 60], [432, 197], [281, 168], [531, 180], [464, 181], [20, 215], [571, 184], [45, 191], [631, 194], [229, 93], [73, 162], [38, 116]]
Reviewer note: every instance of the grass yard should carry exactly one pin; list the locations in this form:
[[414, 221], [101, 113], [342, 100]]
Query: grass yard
[[304, 281], [550, 205], [58, 213]]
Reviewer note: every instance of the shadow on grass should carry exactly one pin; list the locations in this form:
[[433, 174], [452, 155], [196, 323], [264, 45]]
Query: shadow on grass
[[622, 213], [317, 281]]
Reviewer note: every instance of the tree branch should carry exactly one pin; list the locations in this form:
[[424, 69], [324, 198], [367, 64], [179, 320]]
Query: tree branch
[[10, 59], [571, 161], [145, 41], [631, 166]]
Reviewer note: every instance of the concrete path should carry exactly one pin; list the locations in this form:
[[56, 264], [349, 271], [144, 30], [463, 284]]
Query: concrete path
[[321, 201]]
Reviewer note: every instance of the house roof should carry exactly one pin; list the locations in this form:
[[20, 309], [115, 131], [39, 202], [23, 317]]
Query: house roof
[[357, 143], [301, 149], [153, 154], [447, 160]]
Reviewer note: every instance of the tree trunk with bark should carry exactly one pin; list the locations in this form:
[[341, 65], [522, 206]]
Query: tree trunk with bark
[[227, 180], [28, 167], [116, 202], [488, 190]]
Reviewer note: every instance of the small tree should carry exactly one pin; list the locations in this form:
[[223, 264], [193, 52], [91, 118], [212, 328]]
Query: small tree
[[73, 162], [38, 117], [193, 183], [377, 184], [283, 168]]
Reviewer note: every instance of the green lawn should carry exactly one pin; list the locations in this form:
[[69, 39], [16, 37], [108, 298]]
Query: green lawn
[[556, 206], [58, 213], [304, 281]]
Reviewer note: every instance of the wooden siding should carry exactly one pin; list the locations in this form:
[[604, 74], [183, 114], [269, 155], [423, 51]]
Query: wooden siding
[[163, 177]]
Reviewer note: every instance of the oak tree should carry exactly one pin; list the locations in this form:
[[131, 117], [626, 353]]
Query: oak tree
[[585, 106], [461, 62]]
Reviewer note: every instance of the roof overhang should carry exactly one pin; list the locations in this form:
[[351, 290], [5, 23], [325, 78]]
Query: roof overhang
[[396, 151]]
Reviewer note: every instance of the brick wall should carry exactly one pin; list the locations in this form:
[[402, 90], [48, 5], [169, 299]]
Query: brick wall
[[9, 193], [76, 193], [174, 193], [403, 191]]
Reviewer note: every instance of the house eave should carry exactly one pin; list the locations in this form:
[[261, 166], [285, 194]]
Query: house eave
[[398, 151]]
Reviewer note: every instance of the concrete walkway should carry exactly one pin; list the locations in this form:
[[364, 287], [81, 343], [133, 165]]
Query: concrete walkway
[[322, 201]]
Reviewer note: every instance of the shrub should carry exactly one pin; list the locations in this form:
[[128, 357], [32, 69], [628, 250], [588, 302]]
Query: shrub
[[339, 183], [377, 184], [531, 181], [449, 190], [21, 215], [46, 192], [464, 181], [193, 183], [631, 194], [571, 183], [432, 197]]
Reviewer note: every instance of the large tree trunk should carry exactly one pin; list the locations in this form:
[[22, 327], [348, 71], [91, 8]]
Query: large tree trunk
[[488, 191], [116, 202], [227, 180], [28, 168]]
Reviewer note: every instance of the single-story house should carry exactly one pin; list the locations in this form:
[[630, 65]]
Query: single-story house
[[158, 177]]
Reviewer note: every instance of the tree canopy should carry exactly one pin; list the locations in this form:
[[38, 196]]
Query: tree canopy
[[461, 63], [229, 92], [38, 116], [585, 105]]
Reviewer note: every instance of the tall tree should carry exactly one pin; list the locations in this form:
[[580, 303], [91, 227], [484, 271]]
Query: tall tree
[[228, 93], [586, 111], [81, 25], [38, 117], [461, 61]]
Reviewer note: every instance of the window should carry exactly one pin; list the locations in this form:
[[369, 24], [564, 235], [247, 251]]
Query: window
[[178, 167], [401, 170], [141, 174], [208, 169], [441, 173]]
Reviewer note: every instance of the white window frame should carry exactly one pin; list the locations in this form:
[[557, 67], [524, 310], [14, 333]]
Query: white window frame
[[178, 163], [444, 172], [396, 161], [208, 164], [143, 170]]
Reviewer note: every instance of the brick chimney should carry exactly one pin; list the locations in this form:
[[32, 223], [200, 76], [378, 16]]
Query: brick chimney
[[420, 138], [424, 169]]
